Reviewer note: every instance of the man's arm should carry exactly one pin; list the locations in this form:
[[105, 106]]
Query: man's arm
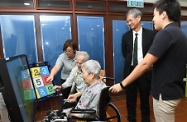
[[139, 70]]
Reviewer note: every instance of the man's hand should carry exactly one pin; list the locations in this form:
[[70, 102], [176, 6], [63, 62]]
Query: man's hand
[[57, 88], [115, 88]]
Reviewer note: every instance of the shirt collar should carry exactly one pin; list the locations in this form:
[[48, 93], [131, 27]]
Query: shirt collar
[[139, 32], [79, 71], [172, 24], [95, 83]]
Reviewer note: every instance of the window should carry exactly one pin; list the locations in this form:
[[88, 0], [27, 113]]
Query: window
[[17, 3], [18, 35]]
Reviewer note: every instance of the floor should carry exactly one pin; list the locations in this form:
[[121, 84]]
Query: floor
[[119, 102], [181, 110]]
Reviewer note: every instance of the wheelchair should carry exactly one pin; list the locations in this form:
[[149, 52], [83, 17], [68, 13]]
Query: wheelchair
[[103, 114], [103, 105]]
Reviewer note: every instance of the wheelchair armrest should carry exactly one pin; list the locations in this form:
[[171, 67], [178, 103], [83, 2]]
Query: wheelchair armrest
[[110, 78], [90, 115], [85, 111], [107, 79]]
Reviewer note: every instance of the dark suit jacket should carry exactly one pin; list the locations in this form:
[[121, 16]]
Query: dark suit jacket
[[127, 46]]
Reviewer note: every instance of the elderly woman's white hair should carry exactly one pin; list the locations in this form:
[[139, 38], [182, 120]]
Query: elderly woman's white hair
[[92, 66]]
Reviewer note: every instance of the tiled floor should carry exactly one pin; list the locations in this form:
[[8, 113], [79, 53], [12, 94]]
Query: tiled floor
[[119, 102]]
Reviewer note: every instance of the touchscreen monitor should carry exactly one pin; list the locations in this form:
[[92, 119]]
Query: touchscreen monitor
[[17, 89]]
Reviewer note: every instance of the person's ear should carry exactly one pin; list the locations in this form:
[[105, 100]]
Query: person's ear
[[164, 14], [139, 18], [92, 75]]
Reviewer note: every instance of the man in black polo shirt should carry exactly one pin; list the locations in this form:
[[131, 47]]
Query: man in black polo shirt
[[168, 57]]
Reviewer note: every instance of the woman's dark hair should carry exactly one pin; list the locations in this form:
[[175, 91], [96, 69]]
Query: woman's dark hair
[[171, 7], [70, 43]]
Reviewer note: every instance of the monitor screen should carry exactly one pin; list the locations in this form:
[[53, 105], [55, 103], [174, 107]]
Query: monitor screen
[[17, 89], [43, 88]]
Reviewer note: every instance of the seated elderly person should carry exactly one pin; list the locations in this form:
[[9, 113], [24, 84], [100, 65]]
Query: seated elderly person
[[75, 75], [90, 95]]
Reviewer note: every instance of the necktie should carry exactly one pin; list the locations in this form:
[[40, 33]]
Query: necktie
[[135, 60]]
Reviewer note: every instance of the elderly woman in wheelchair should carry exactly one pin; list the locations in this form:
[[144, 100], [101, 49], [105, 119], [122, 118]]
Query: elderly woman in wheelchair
[[90, 94]]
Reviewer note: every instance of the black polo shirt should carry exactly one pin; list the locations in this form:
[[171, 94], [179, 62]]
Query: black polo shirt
[[170, 46]]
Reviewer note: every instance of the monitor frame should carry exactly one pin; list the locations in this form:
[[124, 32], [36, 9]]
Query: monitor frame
[[9, 95]]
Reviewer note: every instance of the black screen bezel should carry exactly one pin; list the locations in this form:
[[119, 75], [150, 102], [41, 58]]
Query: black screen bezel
[[9, 94]]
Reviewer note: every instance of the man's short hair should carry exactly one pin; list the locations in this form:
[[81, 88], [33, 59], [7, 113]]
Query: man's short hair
[[84, 54], [134, 12], [171, 7]]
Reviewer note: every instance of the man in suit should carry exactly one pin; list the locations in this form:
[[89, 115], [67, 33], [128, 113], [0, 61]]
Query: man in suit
[[135, 44]]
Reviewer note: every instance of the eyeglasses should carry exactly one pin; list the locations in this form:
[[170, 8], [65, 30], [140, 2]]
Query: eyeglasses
[[68, 51], [129, 21]]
